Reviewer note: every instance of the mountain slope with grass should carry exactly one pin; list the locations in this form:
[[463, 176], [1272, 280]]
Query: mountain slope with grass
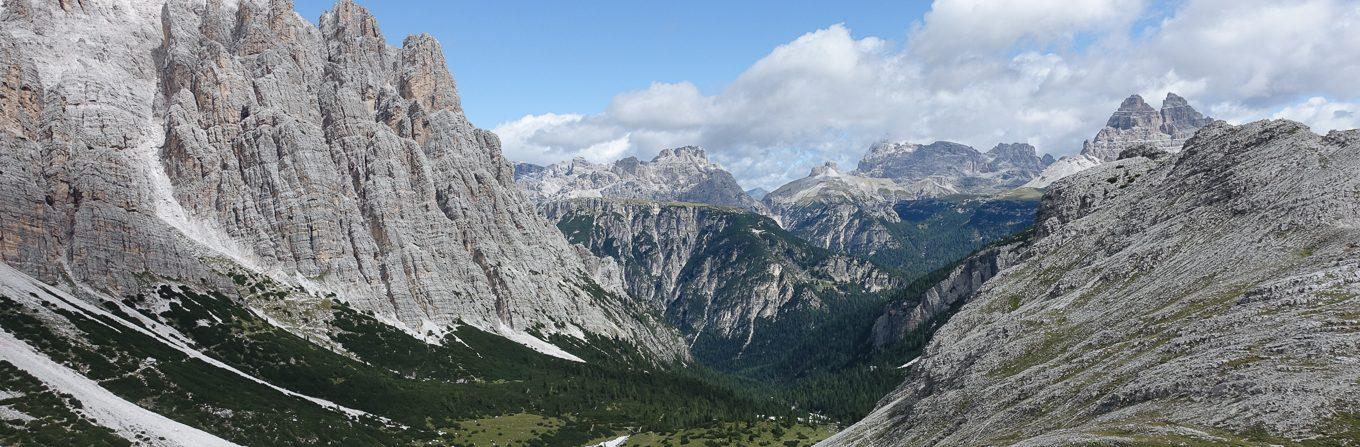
[[1207, 297]]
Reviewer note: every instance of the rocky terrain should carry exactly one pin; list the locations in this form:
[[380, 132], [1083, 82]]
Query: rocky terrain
[[1207, 297], [956, 168], [914, 315], [221, 224], [674, 175], [855, 211], [916, 227], [1135, 123], [153, 142], [721, 275]]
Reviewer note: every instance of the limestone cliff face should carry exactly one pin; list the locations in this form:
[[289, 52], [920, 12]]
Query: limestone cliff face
[[1134, 124], [716, 272], [1207, 296], [1137, 123], [914, 315], [149, 139]]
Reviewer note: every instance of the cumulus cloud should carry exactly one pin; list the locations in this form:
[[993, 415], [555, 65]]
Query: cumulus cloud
[[1046, 72]]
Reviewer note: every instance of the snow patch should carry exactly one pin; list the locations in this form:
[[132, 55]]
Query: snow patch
[[908, 364], [107, 409], [534, 343], [616, 442]]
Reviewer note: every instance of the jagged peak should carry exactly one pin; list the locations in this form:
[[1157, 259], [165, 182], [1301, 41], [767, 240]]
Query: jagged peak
[[349, 18], [1133, 112], [425, 76], [828, 169], [1174, 100]]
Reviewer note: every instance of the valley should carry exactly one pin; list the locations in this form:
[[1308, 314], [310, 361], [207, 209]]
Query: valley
[[225, 224]]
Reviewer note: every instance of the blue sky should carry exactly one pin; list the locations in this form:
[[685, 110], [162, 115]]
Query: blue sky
[[771, 89], [513, 58]]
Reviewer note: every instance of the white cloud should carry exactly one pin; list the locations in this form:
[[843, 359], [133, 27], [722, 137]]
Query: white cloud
[[1322, 114], [1047, 72]]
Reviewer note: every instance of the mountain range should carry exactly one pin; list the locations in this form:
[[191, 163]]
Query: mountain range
[[221, 224]]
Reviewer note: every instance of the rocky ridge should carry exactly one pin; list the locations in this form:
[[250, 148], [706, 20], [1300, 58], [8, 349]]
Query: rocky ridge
[[675, 175], [148, 142], [719, 274], [1207, 296], [1135, 123], [957, 168]]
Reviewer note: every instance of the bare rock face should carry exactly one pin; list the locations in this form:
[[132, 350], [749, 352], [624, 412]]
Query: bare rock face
[[1209, 296], [1134, 125], [912, 316], [719, 274], [843, 211], [178, 138], [675, 175], [1137, 123], [956, 167]]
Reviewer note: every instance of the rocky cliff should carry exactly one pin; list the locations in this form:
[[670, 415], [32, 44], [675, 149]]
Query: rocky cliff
[[722, 275], [913, 315], [1205, 297], [1135, 123], [150, 141], [915, 227], [675, 175], [957, 168]]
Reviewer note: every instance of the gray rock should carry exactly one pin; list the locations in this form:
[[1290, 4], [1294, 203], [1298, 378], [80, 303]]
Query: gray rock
[[1209, 296], [1137, 123], [910, 317], [1143, 150], [956, 167], [675, 175], [715, 272], [183, 140]]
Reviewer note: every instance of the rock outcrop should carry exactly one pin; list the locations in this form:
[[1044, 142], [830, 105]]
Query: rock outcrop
[[720, 274], [913, 315], [675, 175], [1208, 296], [1137, 123], [953, 166], [864, 216], [181, 140], [1134, 124]]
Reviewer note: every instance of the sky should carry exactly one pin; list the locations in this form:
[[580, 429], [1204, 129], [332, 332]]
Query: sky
[[772, 88]]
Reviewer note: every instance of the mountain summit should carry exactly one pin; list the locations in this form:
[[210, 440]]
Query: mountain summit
[[681, 174], [1137, 123], [1134, 124]]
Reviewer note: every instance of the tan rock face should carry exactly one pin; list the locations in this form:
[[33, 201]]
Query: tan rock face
[[178, 133]]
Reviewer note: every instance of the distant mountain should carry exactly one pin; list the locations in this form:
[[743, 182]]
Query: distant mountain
[[954, 167], [526, 169], [859, 212], [1135, 123], [725, 277], [675, 175], [1206, 297], [757, 193]]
